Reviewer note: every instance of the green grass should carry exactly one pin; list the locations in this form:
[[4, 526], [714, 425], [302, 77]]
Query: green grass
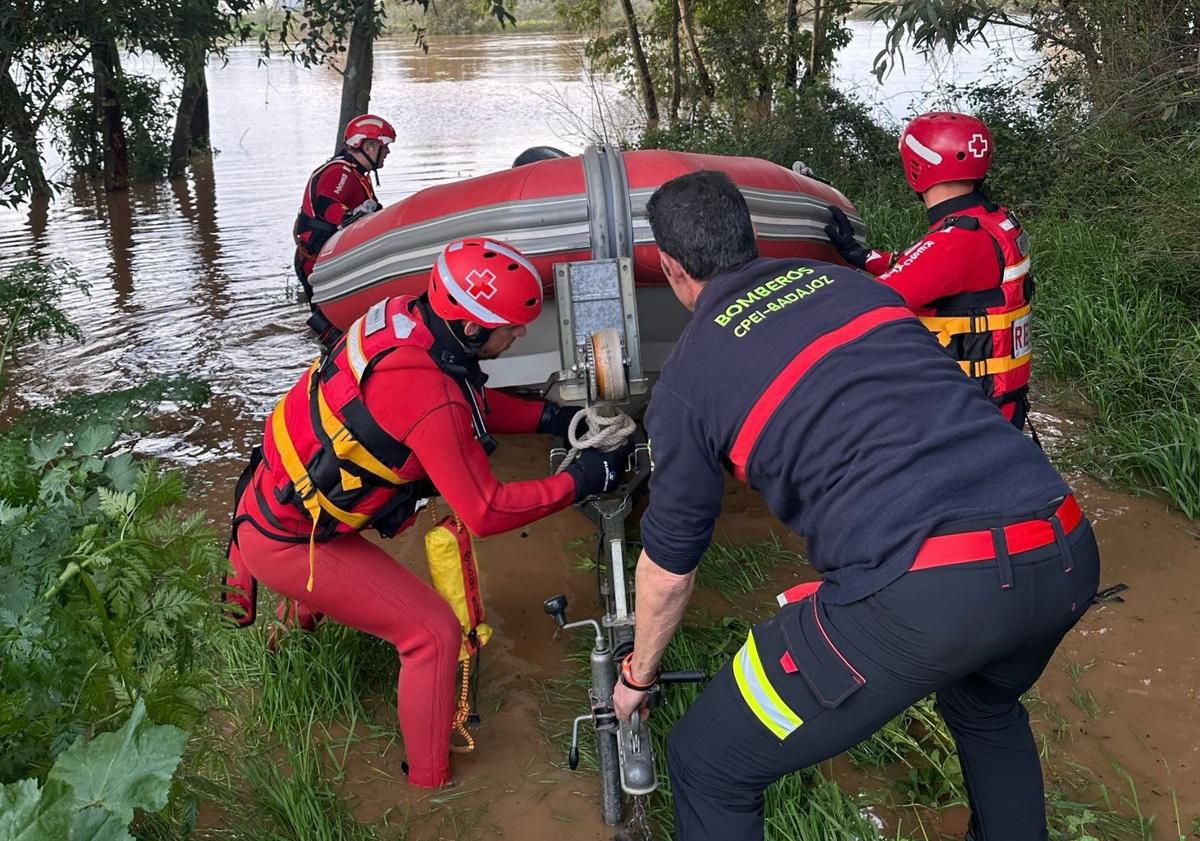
[[296, 793], [290, 723], [327, 672], [737, 569]]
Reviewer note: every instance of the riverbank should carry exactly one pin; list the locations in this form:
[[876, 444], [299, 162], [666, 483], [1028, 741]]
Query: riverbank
[[1112, 757]]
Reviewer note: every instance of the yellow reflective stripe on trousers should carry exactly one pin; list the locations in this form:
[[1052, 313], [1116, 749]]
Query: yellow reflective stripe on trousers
[[758, 693]]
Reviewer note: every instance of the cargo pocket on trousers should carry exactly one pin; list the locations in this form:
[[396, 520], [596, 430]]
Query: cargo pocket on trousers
[[824, 668]]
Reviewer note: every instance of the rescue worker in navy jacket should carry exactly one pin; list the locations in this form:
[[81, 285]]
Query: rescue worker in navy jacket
[[953, 557], [339, 191], [969, 277]]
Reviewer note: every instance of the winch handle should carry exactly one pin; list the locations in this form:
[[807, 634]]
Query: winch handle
[[684, 676]]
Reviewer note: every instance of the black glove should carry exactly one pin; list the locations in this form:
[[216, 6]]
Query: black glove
[[556, 419], [841, 234], [597, 472]]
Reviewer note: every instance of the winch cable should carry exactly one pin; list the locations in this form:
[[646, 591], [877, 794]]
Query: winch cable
[[605, 432]]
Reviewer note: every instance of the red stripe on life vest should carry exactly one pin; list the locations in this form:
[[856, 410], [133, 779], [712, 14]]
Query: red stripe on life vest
[[766, 405]]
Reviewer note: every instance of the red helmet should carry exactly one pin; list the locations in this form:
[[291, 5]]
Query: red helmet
[[485, 281], [944, 146], [368, 127]]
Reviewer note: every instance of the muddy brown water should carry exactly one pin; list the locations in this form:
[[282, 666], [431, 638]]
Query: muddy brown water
[[194, 277]]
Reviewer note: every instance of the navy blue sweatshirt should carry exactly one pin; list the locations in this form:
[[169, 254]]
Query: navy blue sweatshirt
[[879, 443]]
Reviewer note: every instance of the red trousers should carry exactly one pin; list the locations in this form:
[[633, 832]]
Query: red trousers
[[360, 585]]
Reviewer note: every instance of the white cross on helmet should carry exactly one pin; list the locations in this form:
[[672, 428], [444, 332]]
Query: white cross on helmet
[[481, 284], [978, 146]]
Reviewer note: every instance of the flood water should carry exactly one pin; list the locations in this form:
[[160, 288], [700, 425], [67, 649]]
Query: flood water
[[194, 277]]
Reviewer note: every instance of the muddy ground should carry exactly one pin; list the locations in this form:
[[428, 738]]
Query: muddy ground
[[1119, 698]]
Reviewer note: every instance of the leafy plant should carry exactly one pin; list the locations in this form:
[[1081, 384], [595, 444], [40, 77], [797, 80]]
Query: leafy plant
[[94, 787], [29, 309], [105, 595]]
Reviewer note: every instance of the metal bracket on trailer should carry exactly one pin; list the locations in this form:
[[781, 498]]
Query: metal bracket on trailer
[[597, 331]]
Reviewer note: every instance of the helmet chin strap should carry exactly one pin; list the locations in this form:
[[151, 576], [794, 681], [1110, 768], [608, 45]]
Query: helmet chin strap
[[471, 344], [375, 161]]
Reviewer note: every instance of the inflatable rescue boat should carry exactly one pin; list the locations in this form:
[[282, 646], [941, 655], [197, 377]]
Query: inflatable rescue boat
[[587, 207]]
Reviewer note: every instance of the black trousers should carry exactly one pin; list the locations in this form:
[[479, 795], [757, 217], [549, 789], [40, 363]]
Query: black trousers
[[978, 635]]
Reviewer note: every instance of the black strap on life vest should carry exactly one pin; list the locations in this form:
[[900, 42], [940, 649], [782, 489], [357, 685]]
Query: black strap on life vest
[[321, 230], [232, 578]]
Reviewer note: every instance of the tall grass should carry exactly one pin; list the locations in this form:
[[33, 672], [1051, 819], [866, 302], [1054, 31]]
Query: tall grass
[[735, 569], [291, 720]]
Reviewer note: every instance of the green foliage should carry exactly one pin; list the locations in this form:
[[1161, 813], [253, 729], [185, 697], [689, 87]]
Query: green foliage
[[106, 595], [1123, 61], [148, 125], [751, 61], [30, 294], [829, 131], [124, 408], [147, 121], [318, 32], [94, 787]]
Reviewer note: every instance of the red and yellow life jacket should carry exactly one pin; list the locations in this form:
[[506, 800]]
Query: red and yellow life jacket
[[988, 331], [311, 231], [325, 452]]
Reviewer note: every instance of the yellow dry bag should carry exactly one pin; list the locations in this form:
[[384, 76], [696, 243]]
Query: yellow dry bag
[[455, 575]]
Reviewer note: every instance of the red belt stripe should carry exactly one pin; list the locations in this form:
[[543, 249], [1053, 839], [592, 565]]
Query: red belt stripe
[[766, 405], [972, 546]]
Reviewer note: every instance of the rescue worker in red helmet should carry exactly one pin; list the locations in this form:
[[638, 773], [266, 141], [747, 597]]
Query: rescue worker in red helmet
[[339, 192], [395, 410], [969, 277]]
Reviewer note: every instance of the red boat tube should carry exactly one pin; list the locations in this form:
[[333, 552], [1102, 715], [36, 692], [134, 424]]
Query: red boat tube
[[591, 206]]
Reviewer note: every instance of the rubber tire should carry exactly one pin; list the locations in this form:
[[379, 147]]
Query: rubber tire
[[612, 798]]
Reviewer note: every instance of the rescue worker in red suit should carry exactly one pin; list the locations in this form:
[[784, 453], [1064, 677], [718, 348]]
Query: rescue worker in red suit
[[397, 408], [968, 278], [338, 193]]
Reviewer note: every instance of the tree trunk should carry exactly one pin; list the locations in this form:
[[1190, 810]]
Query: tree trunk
[[645, 83], [201, 133], [360, 65], [16, 119], [106, 70], [706, 83], [814, 68], [194, 91], [675, 68], [791, 26]]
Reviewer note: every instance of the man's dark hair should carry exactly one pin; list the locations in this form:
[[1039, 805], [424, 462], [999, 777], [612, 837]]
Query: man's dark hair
[[701, 219]]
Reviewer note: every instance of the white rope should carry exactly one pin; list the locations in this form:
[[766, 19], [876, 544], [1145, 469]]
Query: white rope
[[604, 433]]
